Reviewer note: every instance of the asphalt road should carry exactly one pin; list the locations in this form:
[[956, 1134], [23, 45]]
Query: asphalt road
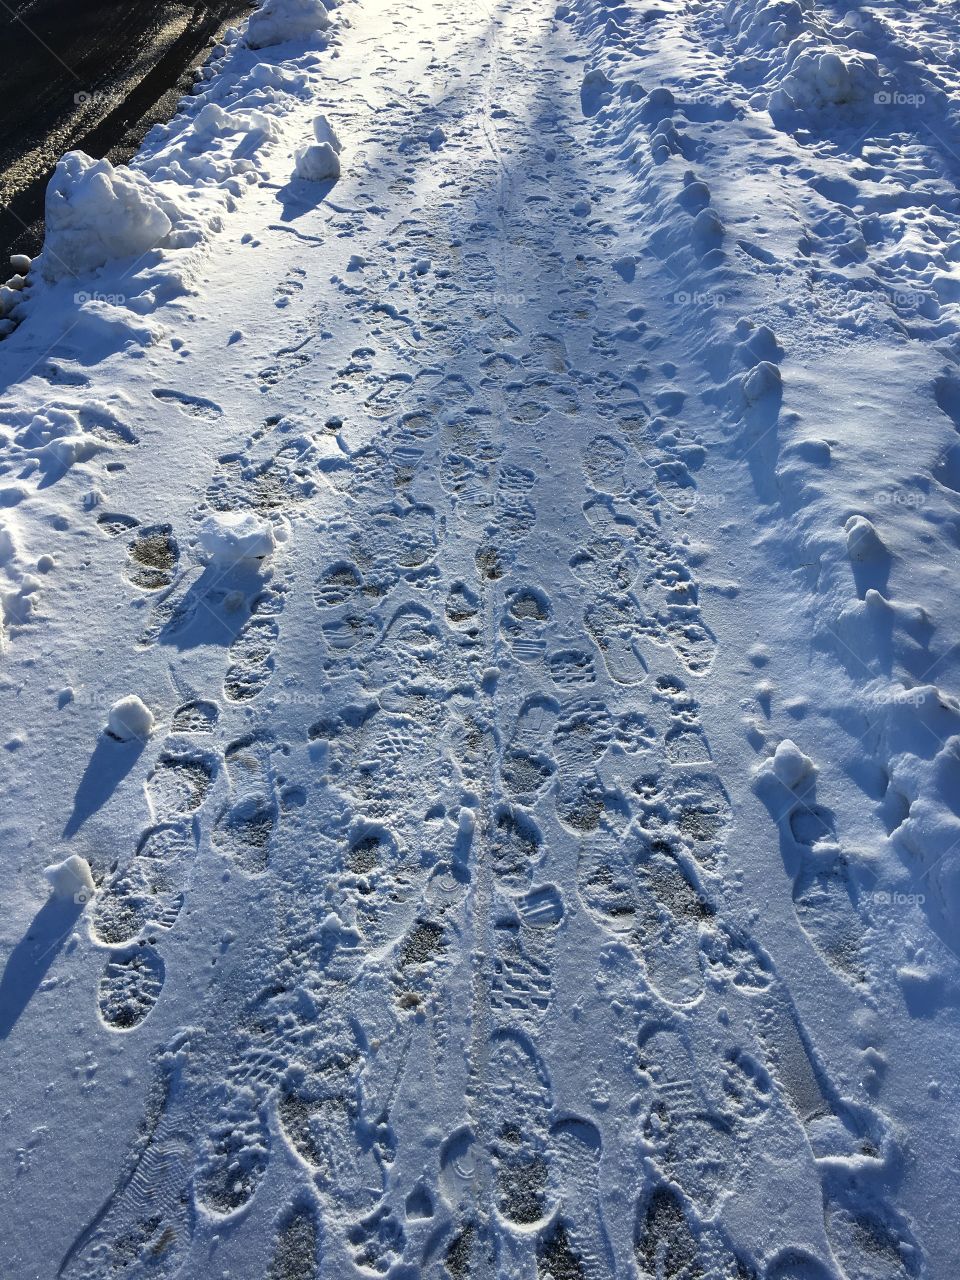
[[93, 75]]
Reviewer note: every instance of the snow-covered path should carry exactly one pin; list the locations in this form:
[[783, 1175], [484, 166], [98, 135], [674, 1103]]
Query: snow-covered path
[[470, 911]]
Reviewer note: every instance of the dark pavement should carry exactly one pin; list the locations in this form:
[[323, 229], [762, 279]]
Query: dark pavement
[[92, 75]]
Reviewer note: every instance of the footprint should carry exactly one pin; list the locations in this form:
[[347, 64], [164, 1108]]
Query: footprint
[[611, 624], [296, 1248], [244, 831], [516, 848], [252, 651], [130, 987], [604, 462], [692, 1143], [825, 902], [149, 889], [234, 1152], [178, 785], [145, 1227], [193, 406], [524, 942], [197, 716], [579, 1241], [670, 910], [152, 558], [519, 1100], [581, 738]]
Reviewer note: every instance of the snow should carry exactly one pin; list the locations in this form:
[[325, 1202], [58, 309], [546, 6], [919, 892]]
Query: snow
[[96, 213], [277, 21], [318, 162], [130, 719], [533, 558], [71, 879], [232, 536]]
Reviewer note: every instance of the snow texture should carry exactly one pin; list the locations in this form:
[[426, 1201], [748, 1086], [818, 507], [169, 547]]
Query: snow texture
[[536, 552]]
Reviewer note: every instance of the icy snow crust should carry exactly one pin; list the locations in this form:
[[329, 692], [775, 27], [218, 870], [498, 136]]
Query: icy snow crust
[[533, 553]]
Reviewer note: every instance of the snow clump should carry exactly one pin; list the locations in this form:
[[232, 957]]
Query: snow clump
[[129, 719], [96, 213], [277, 21], [232, 536], [71, 878]]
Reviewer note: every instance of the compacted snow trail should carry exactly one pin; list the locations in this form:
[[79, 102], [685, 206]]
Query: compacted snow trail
[[469, 910]]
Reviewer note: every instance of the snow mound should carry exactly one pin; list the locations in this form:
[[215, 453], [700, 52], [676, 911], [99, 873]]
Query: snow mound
[[71, 878], [96, 213], [317, 163], [277, 21], [231, 536], [130, 719], [821, 77]]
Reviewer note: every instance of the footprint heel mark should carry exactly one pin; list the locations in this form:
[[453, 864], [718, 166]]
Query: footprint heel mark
[[152, 557], [130, 986], [520, 1100], [296, 1248], [147, 1223], [149, 889]]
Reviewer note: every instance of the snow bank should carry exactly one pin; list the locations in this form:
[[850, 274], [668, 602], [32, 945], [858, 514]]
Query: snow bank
[[130, 719], [230, 536], [71, 878], [96, 213], [278, 21]]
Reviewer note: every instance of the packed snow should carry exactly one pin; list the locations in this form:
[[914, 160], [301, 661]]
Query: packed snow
[[478, 527]]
